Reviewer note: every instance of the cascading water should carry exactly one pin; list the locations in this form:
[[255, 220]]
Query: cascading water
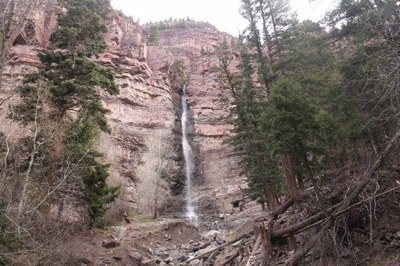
[[188, 156]]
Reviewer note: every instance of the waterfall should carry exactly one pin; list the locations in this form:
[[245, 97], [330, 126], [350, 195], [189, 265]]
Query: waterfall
[[188, 156]]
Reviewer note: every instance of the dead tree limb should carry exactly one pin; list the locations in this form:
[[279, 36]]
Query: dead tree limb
[[336, 214], [297, 227], [364, 180], [230, 259], [205, 254], [283, 207], [254, 250]]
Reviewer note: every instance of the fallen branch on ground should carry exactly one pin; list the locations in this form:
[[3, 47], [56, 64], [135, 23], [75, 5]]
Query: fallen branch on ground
[[205, 254], [344, 204], [336, 214]]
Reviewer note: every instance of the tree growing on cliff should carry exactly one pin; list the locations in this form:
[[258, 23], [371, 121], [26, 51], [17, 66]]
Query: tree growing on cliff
[[72, 106], [179, 67], [154, 37]]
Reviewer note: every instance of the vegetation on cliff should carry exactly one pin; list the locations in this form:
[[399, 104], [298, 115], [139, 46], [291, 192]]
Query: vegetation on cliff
[[56, 167]]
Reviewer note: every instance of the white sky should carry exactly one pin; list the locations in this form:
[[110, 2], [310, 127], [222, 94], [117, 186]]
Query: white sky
[[223, 14]]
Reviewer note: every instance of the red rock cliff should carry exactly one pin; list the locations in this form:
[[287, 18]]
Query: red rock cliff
[[149, 102]]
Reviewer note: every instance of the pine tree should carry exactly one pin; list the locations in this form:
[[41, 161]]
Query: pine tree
[[154, 34], [304, 114], [97, 193], [80, 30], [66, 94], [261, 169], [370, 76]]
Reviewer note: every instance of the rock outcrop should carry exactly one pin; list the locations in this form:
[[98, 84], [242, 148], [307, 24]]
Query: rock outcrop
[[149, 102]]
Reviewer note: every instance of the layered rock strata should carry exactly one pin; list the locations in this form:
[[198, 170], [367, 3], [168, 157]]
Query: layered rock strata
[[149, 102], [218, 184]]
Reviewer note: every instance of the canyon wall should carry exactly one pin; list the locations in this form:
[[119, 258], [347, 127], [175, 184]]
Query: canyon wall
[[217, 180], [149, 103]]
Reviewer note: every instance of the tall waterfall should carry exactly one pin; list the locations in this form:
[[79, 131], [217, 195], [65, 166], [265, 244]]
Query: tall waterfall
[[188, 156]]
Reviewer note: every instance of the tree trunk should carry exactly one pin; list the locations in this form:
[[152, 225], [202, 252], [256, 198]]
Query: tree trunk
[[290, 177], [300, 180], [273, 204]]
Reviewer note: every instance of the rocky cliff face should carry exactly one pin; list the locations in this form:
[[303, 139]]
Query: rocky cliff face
[[217, 180], [149, 102]]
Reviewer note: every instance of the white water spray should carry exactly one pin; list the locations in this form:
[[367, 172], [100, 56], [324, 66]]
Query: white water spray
[[188, 156]]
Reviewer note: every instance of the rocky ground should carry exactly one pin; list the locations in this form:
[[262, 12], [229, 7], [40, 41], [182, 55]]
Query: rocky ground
[[166, 241], [145, 241]]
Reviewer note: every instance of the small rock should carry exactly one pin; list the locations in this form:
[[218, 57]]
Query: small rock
[[117, 258], [211, 234], [195, 249], [110, 244], [149, 262], [388, 237], [203, 245], [394, 243], [84, 261], [176, 258], [136, 255], [161, 252]]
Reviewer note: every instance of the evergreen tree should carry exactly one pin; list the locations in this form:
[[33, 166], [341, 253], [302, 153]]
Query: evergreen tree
[[291, 129], [154, 34], [370, 76], [80, 30], [97, 193], [249, 12], [303, 120], [260, 168], [66, 93]]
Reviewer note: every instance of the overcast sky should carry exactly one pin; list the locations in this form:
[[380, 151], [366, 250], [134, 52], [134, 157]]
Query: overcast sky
[[223, 14]]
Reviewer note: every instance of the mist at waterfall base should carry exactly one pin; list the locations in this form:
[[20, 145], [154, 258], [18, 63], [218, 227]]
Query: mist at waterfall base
[[188, 156]]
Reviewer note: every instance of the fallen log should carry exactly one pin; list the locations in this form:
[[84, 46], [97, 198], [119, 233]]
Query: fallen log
[[286, 205], [230, 259], [344, 204], [254, 250], [282, 208], [293, 229], [336, 214], [209, 252]]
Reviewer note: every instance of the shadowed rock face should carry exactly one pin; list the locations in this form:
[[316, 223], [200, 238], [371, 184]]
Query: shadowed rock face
[[149, 100]]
